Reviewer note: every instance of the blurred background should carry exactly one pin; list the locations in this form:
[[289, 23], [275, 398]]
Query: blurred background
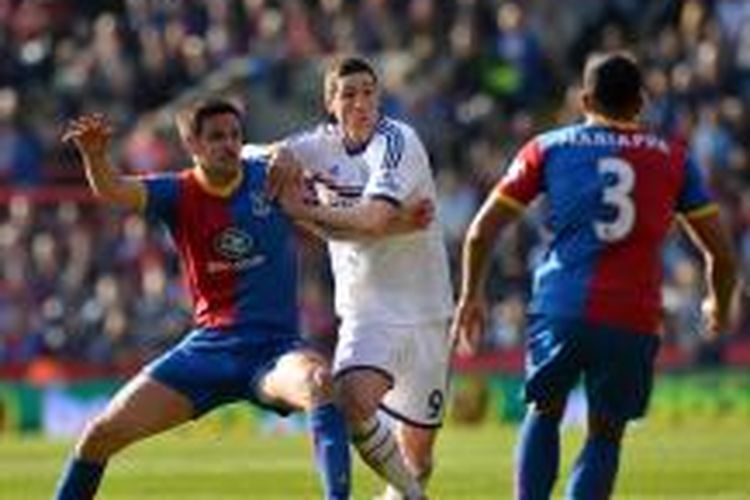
[[88, 294]]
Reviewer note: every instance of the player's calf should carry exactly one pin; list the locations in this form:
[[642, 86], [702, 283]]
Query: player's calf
[[538, 452], [416, 444], [302, 380], [595, 471], [359, 393]]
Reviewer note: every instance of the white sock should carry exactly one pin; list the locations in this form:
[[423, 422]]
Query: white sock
[[378, 448], [391, 493]]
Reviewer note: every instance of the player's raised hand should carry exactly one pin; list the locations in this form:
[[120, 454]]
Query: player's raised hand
[[283, 169], [90, 133], [468, 325], [292, 197]]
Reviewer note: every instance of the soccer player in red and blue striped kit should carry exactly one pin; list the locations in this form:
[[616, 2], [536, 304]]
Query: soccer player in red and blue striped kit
[[612, 189], [237, 249]]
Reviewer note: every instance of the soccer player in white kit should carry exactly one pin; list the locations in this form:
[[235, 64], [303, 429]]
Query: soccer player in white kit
[[392, 288]]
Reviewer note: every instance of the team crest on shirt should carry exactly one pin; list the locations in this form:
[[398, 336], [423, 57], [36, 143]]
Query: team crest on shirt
[[259, 204], [234, 244]]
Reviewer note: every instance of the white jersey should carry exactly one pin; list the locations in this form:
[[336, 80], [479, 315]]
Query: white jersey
[[400, 279]]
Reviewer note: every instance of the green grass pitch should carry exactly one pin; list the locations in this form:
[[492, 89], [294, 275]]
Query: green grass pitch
[[691, 460]]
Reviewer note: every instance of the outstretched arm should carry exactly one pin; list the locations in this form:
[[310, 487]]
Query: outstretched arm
[[469, 319], [369, 218], [92, 136], [366, 220], [708, 234]]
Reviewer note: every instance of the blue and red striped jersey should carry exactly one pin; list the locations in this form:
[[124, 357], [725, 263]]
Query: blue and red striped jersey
[[611, 198], [237, 251]]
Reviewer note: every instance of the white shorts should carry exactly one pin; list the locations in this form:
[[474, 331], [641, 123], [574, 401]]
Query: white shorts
[[416, 357]]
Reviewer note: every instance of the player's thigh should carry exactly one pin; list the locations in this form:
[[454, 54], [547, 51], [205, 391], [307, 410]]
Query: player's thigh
[[619, 372], [554, 358], [143, 407], [299, 378], [366, 360], [208, 367], [421, 376]]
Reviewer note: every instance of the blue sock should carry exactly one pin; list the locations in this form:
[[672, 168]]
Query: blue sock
[[79, 480], [538, 456], [332, 450], [595, 470]]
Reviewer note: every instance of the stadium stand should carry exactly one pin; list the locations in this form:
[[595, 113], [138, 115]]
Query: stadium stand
[[92, 290]]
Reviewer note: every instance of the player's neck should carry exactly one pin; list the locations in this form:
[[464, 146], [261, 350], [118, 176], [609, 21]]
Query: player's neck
[[218, 182], [604, 121], [356, 144]]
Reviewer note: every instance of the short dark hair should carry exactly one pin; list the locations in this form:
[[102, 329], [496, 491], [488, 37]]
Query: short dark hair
[[191, 119], [615, 83], [345, 66]]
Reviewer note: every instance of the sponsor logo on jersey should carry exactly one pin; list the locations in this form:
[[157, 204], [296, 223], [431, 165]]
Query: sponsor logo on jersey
[[238, 248], [234, 244]]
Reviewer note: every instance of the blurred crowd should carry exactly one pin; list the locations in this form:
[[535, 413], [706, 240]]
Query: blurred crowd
[[475, 77]]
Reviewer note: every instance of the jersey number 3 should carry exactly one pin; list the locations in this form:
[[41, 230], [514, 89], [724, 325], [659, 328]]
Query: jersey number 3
[[617, 194]]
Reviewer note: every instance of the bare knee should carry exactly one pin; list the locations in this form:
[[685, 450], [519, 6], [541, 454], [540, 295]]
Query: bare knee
[[102, 438], [359, 394], [318, 385], [356, 406]]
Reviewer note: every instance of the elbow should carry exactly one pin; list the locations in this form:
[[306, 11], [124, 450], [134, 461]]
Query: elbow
[[106, 195], [475, 235], [101, 194]]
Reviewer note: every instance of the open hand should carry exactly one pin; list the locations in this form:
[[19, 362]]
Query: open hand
[[422, 213], [293, 199], [468, 325], [416, 214], [714, 322], [90, 133], [283, 170]]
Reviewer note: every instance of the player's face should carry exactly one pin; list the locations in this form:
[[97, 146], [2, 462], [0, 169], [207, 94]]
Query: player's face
[[219, 143], [354, 103]]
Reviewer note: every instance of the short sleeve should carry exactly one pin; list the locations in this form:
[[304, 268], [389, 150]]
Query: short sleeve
[[523, 180], [693, 195], [161, 197], [398, 173], [308, 147]]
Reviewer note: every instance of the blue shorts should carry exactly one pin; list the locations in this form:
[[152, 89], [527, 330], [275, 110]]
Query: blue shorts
[[617, 365], [215, 367]]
